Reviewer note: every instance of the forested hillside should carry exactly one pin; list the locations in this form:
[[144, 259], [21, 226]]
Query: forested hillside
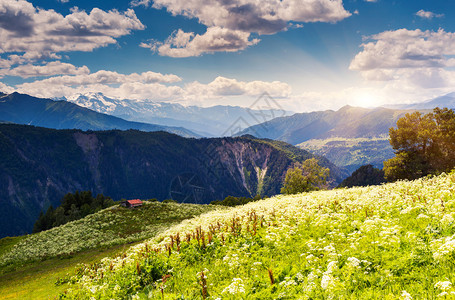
[[39, 166]]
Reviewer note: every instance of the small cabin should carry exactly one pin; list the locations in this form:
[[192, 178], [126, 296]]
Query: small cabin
[[131, 203]]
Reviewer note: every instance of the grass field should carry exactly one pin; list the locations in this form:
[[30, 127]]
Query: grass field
[[36, 280], [30, 265]]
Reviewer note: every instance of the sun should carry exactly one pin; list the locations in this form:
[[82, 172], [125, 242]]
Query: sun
[[366, 99]]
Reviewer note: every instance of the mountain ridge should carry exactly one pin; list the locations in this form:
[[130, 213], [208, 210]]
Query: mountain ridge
[[349, 137], [207, 121], [38, 166], [28, 110]]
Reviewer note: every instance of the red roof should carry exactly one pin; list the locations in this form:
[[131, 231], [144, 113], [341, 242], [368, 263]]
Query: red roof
[[135, 201]]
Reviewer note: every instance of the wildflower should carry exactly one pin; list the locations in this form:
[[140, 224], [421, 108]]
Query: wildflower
[[287, 282], [446, 220], [236, 287], [422, 216], [326, 281], [443, 285], [332, 266], [405, 295], [353, 262]]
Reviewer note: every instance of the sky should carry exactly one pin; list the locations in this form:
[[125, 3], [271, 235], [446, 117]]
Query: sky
[[306, 54]]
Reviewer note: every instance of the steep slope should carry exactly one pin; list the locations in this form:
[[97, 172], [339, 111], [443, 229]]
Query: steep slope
[[207, 121], [39, 166], [24, 109]]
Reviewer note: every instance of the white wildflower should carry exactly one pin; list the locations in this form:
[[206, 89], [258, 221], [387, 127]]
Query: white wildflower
[[406, 296], [446, 220], [422, 216], [443, 285], [236, 287], [332, 266], [300, 277], [353, 262], [326, 281]]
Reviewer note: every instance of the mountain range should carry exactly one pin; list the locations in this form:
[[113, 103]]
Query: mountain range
[[206, 121], [347, 122], [447, 100], [350, 137], [38, 166], [24, 109]]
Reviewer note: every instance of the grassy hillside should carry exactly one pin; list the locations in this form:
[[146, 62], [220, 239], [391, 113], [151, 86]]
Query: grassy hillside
[[30, 265], [112, 226], [393, 241]]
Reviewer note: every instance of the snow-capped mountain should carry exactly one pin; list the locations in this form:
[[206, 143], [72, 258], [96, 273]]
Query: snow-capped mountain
[[211, 121]]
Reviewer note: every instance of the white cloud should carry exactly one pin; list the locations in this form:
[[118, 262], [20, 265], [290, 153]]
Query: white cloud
[[261, 16], [110, 78], [222, 87], [6, 88], [147, 85], [49, 69], [216, 39], [408, 65], [130, 90], [230, 22], [153, 86], [39, 32], [404, 48], [428, 14]]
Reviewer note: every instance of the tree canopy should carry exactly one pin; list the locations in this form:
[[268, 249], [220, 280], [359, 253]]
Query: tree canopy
[[74, 206], [305, 177], [364, 176], [423, 144]]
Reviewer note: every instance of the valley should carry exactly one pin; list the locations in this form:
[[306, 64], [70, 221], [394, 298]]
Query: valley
[[39, 166]]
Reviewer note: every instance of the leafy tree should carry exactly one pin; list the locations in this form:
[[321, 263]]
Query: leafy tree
[[305, 177], [74, 206], [235, 201], [423, 144], [364, 176]]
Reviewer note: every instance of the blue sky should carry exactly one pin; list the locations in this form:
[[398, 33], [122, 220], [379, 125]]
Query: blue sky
[[307, 54]]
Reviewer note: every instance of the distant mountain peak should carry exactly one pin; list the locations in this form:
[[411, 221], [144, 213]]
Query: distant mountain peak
[[447, 100], [25, 109]]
